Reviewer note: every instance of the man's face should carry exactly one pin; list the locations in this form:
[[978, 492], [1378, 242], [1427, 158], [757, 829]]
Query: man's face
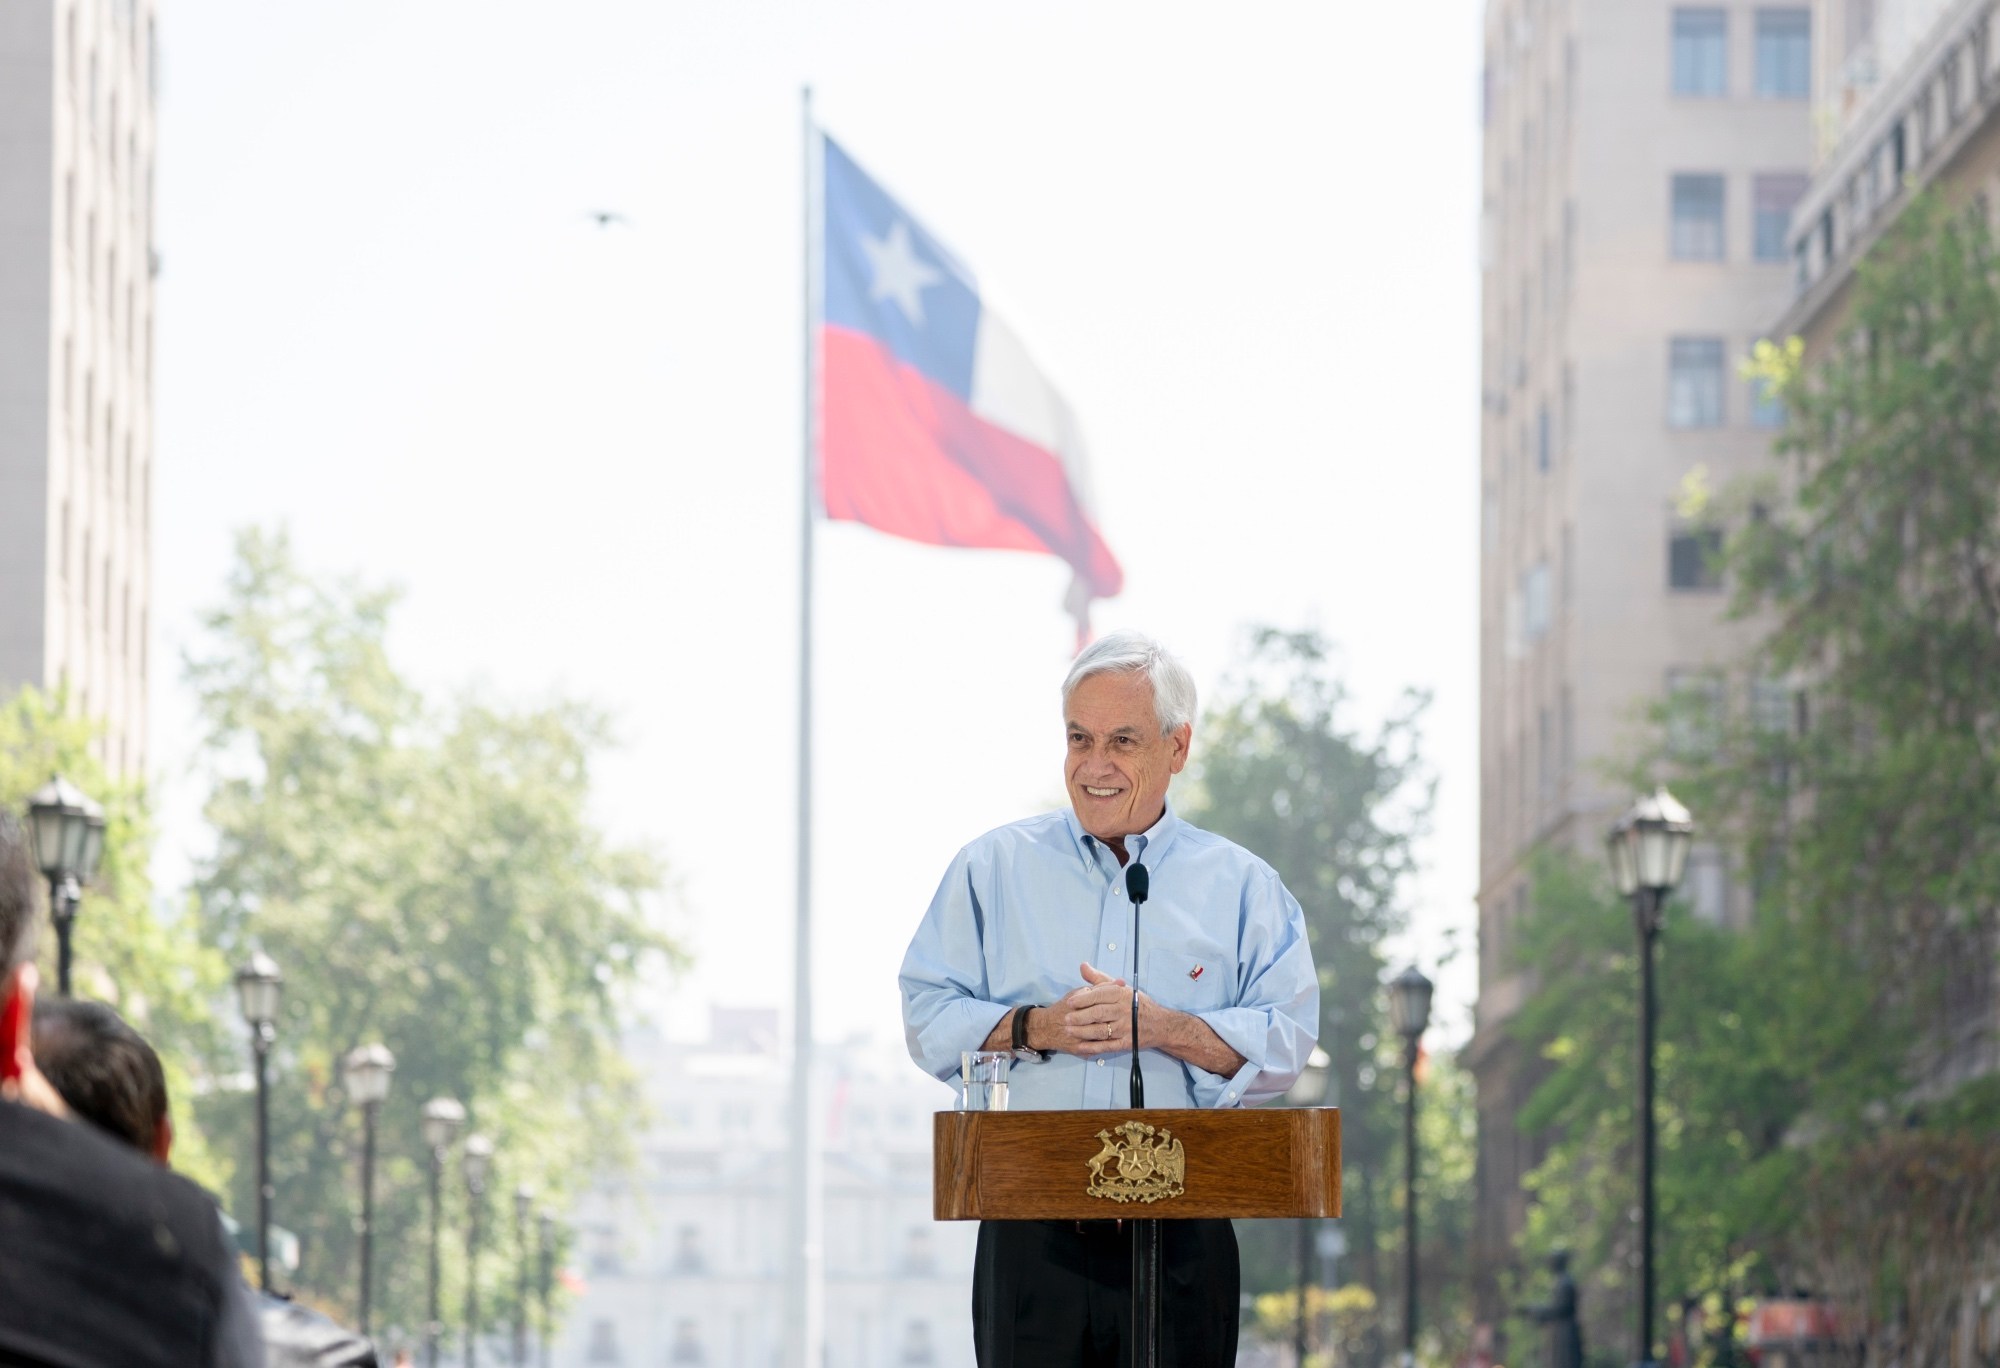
[[1119, 764]]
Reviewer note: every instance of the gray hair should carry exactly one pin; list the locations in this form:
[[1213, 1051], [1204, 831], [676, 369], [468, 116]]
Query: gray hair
[[1131, 652]]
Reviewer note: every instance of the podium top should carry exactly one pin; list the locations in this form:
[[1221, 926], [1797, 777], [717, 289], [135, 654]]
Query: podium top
[[1156, 1163]]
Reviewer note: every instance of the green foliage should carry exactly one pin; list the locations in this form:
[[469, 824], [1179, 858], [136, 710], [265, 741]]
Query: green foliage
[[1278, 769], [1764, 1037], [144, 959], [1879, 577], [426, 876]]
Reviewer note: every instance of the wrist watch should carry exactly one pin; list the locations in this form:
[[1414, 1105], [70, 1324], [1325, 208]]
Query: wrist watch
[[1022, 1052]]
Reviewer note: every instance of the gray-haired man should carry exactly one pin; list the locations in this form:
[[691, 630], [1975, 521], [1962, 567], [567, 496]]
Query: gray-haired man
[[1026, 945]]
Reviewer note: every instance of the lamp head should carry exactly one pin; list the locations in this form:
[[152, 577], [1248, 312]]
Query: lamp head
[[59, 822], [1410, 1003], [442, 1118], [259, 984], [478, 1161], [366, 1072], [1649, 845]]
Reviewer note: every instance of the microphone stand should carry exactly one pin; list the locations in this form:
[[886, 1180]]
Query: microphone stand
[[1145, 1233]]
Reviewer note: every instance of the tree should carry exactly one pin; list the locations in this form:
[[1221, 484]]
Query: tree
[[426, 875], [1279, 769], [1877, 565], [144, 958]]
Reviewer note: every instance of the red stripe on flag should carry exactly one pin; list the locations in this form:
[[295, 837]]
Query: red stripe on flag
[[907, 457]]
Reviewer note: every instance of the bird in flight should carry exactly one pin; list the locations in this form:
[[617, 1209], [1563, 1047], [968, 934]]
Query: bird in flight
[[604, 218]]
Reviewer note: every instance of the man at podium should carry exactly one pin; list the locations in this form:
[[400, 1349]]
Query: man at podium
[[1027, 946]]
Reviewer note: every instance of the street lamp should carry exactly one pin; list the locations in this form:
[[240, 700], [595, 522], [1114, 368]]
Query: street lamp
[[524, 1206], [366, 1072], [478, 1162], [1410, 1013], [442, 1118], [68, 830], [545, 1245], [1309, 1090], [1649, 850], [259, 985]]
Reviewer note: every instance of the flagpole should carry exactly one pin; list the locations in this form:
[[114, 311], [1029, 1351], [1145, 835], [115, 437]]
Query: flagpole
[[802, 1254]]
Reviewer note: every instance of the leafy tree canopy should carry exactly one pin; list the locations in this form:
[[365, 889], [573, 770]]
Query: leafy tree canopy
[[426, 875]]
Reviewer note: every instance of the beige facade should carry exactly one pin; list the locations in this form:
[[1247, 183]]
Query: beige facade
[[1641, 158], [1931, 120], [76, 357]]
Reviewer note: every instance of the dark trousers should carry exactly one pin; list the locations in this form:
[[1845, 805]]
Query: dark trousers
[[1058, 1294]]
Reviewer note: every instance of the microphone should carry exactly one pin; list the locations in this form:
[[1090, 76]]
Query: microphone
[[1137, 884]]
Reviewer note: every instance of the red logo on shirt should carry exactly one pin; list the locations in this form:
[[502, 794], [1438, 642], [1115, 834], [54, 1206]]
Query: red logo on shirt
[[1195, 972]]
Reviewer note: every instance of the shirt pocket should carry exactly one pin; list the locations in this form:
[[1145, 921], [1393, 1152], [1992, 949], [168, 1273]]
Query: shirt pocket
[[1200, 981]]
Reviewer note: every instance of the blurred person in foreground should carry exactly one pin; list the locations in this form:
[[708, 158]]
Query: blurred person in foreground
[[110, 1076], [1026, 947], [106, 1260]]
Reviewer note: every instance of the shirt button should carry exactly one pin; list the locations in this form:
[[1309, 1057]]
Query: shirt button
[[1114, 945], [1100, 1063]]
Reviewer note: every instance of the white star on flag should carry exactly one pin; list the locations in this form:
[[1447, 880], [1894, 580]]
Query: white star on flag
[[899, 275]]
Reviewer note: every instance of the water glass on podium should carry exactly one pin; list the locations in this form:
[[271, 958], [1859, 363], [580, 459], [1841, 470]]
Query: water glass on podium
[[983, 1075]]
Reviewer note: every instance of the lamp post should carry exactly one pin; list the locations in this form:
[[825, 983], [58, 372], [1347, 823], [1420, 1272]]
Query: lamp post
[[68, 830], [545, 1244], [1410, 1013], [524, 1206], [478, 1162], [366, 1072], [1308, 1091], [1649, 849], [442, 1118], [258, 987]]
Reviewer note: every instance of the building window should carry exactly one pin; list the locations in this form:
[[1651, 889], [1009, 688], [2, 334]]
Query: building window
[[1771, 705], [917, 1344], [1774, 197], [919, 1260], [1694, 712], [1535, 601], [1767, 410], [687, 1344], [1701, 52], [1784, 53], [1708, 885], [603, 1343], [1694, 382], [1694, 558], [1544, 438], [688, 1257], [1697, 218]]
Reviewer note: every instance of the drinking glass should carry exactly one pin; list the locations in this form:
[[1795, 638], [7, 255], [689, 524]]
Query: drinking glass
[[984, 1076]]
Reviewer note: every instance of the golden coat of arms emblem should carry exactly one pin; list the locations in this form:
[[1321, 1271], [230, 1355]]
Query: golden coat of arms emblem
[[1139, 1163]]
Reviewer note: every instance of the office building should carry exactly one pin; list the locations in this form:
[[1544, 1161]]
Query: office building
[[77, 86], [1642, 162]]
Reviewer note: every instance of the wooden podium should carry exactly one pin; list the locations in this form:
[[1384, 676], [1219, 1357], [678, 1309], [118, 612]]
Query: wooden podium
[[1153, 1164]]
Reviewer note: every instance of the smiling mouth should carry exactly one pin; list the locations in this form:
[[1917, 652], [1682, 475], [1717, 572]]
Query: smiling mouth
[[1102, 792]]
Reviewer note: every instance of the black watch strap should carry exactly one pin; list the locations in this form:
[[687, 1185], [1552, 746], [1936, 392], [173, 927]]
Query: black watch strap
[[1021, 1048]]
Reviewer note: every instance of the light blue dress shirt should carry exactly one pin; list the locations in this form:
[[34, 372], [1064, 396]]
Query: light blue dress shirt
[[1022, 906]]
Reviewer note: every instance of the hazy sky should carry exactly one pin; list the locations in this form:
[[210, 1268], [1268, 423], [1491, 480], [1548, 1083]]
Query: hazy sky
[[1241, 238]]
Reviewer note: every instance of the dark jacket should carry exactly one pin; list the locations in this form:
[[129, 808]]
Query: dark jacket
[[108, 1260]]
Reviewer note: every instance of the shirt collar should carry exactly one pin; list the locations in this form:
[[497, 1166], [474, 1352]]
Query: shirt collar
[[1149, 847]]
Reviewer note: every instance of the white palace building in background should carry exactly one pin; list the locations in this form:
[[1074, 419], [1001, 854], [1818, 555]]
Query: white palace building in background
[[682, 1261]]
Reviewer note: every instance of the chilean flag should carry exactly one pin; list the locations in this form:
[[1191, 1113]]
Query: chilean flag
[[934, 423]]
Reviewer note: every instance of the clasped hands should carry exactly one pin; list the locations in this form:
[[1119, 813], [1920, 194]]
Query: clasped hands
[[1096, 1018]]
